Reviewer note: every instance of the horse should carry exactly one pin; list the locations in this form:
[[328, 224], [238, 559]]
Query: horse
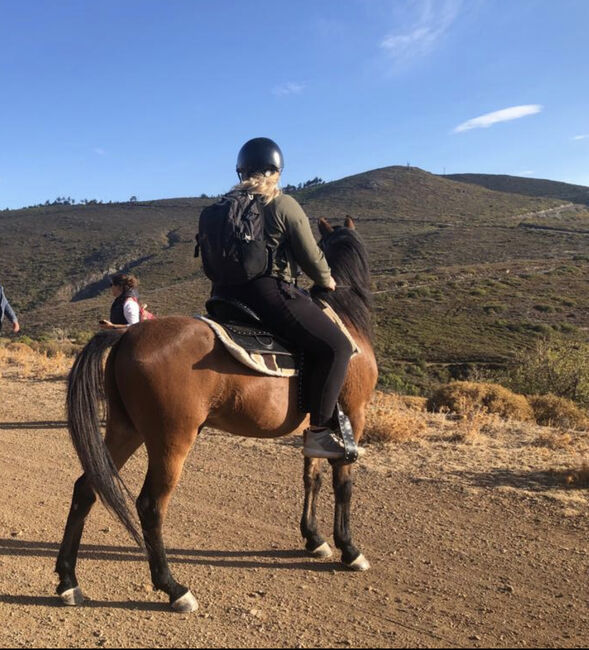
[[166, 379]]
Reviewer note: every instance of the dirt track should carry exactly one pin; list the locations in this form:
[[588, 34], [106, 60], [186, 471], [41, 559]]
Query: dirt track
[[465, 551]]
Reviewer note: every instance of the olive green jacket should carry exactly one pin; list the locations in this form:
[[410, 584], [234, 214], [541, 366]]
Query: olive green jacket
[[289, 235]]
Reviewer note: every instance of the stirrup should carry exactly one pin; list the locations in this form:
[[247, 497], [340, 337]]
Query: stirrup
[[344, 429]]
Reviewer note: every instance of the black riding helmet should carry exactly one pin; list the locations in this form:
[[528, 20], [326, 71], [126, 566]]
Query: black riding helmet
[[259, 155]]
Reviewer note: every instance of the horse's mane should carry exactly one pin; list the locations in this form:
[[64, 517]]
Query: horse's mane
[[348, 259]]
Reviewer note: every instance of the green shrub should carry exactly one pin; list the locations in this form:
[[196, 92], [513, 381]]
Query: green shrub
[[557, 367]]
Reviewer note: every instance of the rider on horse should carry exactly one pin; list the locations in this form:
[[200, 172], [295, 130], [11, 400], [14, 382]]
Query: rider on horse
[[283, 307]]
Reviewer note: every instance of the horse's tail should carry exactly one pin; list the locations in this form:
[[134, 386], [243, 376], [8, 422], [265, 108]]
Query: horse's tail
[[84, 400]]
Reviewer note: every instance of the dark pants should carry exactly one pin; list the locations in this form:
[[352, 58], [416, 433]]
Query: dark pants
[[292, 315]]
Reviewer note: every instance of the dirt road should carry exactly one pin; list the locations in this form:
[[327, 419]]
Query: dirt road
[[467, 550]]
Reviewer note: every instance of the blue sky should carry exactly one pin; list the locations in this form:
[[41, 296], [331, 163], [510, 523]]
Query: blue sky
[[153, 98]]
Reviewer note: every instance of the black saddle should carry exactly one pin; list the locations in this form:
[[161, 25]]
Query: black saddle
[[245, 327]]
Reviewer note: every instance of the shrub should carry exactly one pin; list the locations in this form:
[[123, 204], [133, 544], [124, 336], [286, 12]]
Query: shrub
[[558, 367], [551, 410], [464, 397], [413, 402], [389, 419]]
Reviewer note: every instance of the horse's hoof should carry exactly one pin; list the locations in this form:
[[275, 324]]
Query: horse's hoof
[[324, 551], [72, 597], [359, 564], [185, 604]]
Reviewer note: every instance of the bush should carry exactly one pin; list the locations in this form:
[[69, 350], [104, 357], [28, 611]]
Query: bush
[[551, 410], [389, 419], [464, 397], [557, 367]]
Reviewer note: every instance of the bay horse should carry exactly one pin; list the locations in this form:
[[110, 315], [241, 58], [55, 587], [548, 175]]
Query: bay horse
[[166, 379]]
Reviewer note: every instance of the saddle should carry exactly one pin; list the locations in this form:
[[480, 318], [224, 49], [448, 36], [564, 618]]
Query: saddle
[[241, 331]]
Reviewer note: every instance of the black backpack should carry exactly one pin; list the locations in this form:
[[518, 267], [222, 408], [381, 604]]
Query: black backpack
[[231, 239]]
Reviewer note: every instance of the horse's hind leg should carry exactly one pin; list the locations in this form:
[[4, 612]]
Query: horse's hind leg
[[315, 544], [82, 501], [162, 477], [122, 441], [342, 487]]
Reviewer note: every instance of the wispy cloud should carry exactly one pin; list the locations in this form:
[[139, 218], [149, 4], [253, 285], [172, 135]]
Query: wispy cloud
[[504, 115], [526, 172], [580, 137], [288, 88], [100, 151], [418, 34]]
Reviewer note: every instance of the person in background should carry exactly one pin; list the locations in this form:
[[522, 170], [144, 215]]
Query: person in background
[[125, 309], [8, 311]]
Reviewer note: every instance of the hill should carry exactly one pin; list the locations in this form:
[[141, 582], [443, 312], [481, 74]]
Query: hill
[[527, 186], [462, 274]]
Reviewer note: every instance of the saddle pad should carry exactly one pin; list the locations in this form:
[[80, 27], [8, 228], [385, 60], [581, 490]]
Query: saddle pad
[[265, 363], [330, 313]]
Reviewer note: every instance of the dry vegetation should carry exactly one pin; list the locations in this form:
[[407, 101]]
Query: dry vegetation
[[482, 433], [19, 360], [461, 397]]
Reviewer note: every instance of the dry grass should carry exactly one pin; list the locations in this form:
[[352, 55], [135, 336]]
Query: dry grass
[[465, 397], [19, 360], [389, 418], [414, 402], [579, 478], [554, 439], [553, 411]]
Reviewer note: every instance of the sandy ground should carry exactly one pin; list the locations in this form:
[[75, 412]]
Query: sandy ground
[[475, 543]]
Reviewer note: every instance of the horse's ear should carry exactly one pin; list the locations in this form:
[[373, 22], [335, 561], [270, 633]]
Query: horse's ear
[[348, 223], [324, 227]]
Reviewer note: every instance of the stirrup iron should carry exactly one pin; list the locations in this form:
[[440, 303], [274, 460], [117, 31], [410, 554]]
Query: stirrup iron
[[344, 429]]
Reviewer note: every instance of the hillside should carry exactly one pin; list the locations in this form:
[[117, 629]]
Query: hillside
[[526, 186], [462, 274]]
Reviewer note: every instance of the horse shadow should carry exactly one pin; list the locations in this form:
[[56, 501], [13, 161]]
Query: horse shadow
[[261, 558], [40, 424]]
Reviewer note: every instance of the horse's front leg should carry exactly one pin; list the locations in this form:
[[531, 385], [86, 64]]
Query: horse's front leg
[[315, 544], [342, 535]]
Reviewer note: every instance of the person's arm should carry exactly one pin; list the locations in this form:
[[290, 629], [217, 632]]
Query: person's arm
[[9, 311], [107, 325], [304, 247]]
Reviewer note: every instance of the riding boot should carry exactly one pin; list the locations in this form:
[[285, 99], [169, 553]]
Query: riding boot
[[335, 442]]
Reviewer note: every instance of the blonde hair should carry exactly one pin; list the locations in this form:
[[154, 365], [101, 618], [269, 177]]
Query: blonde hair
[[260, 183]]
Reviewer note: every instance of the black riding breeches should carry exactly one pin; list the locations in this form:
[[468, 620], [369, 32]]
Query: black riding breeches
[[291, 314]]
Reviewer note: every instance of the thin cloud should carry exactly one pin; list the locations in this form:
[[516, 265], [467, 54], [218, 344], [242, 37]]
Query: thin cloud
[[99, 151], [504, 115], [580, 137], [422, 33], [526, 172], [289, 88]]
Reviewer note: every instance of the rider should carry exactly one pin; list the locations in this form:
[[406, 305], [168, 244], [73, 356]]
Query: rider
[[286, 309]]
